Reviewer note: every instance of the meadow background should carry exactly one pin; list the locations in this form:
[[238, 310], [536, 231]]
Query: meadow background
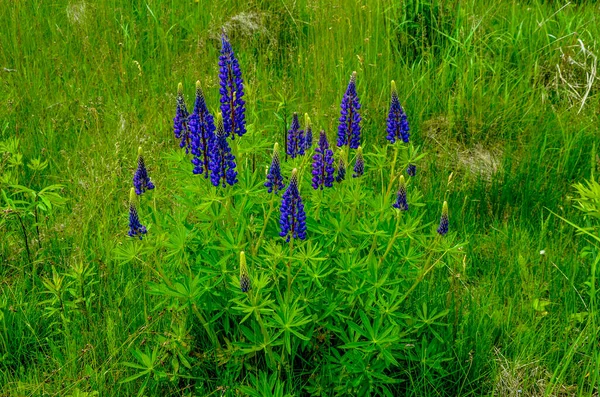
[[502, 95]]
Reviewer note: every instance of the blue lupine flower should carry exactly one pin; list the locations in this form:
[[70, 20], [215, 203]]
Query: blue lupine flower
[[232, 91], [411, 170], [244, 278], [295, 139], [397, 123], [401, 202], [274, 179], [293, 217], [443, 228], [308, 135], [222, 161], [202, 128], [349, 128], [141, 180], [322, 164], [180, 121], [359, 166], [341, 171], [136, 229]]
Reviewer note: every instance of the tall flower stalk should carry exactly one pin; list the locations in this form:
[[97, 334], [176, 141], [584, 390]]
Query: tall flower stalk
[[308, 134], [401, 201], [322, 164], [244, 278], [443, 228], [359, 166], [341, 170], [202, 127], [295, 138], [293, 217], [180, 121], [349, 127], [141, 180], [136, 229], [222, 161], [232, 91], [397, 122], [274, 179]]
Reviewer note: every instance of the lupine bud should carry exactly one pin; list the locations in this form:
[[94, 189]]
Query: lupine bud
[[244, 279], [322, 164], [411, 170], [295, 141], [443, 228], [401, 202], [232, 91], [180, 121], [202, 128], [397, 123], [308, 135], [293, 217], [222, 161], [141, 180], [341, 171], [136, 229], [359, 166], [349, 128], [274, 179]]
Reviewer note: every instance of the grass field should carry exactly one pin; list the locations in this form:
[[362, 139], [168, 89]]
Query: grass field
[[502, 100]]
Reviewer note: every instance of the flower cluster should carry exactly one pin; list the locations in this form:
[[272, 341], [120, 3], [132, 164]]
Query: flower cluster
[[411, 170], [349, 128], [232, 91], [295, 139], [293, 217], [274, 179], [136, 229], [397, 123], [443, 228], [141, 180], [308, 135], [359, 166], [222, 161], [202, 128], [401, 201], [180, 121], [322, 164], [341, 171]]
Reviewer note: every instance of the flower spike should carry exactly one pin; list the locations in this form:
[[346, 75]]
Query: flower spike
[[244, 278], [295, 140], [222, 161], [349, 127], [411, 170], [359, 166], [322, 164], [274, 179], [136, 229], [232, 90], [180, 121], [401, 202], [202, 128], [293, 217], [308, 135], [443, 228], [397, 122], [141, 180]]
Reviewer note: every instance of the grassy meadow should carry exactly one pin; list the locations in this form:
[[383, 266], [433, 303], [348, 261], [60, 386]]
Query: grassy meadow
[[502, 100]]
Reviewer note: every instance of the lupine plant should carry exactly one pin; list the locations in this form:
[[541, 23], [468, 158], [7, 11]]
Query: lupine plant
[[401, 201], [141, 180], [202, 128], [232, 91], [349, 127], [222, 161], [322, 168], [180, 121], [443, 227], [274, 181], [397, 122], [295, 138], [293, 217]]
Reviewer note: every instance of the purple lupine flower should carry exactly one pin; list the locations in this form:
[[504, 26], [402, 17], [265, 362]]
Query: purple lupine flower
[[180, 121], [341, 171], [232, 91], [244, 278], [397, 123], [443, 228], [411, 170], [274, 179], [359, 166], [222, 161], [141, 180], [136, 229], [293, 217], [322, 164], [401, 202], [349, 128], [295, 138], [202, 128], [308, 135]]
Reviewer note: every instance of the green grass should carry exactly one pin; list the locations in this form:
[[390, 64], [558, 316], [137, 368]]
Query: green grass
[[494, 97]]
